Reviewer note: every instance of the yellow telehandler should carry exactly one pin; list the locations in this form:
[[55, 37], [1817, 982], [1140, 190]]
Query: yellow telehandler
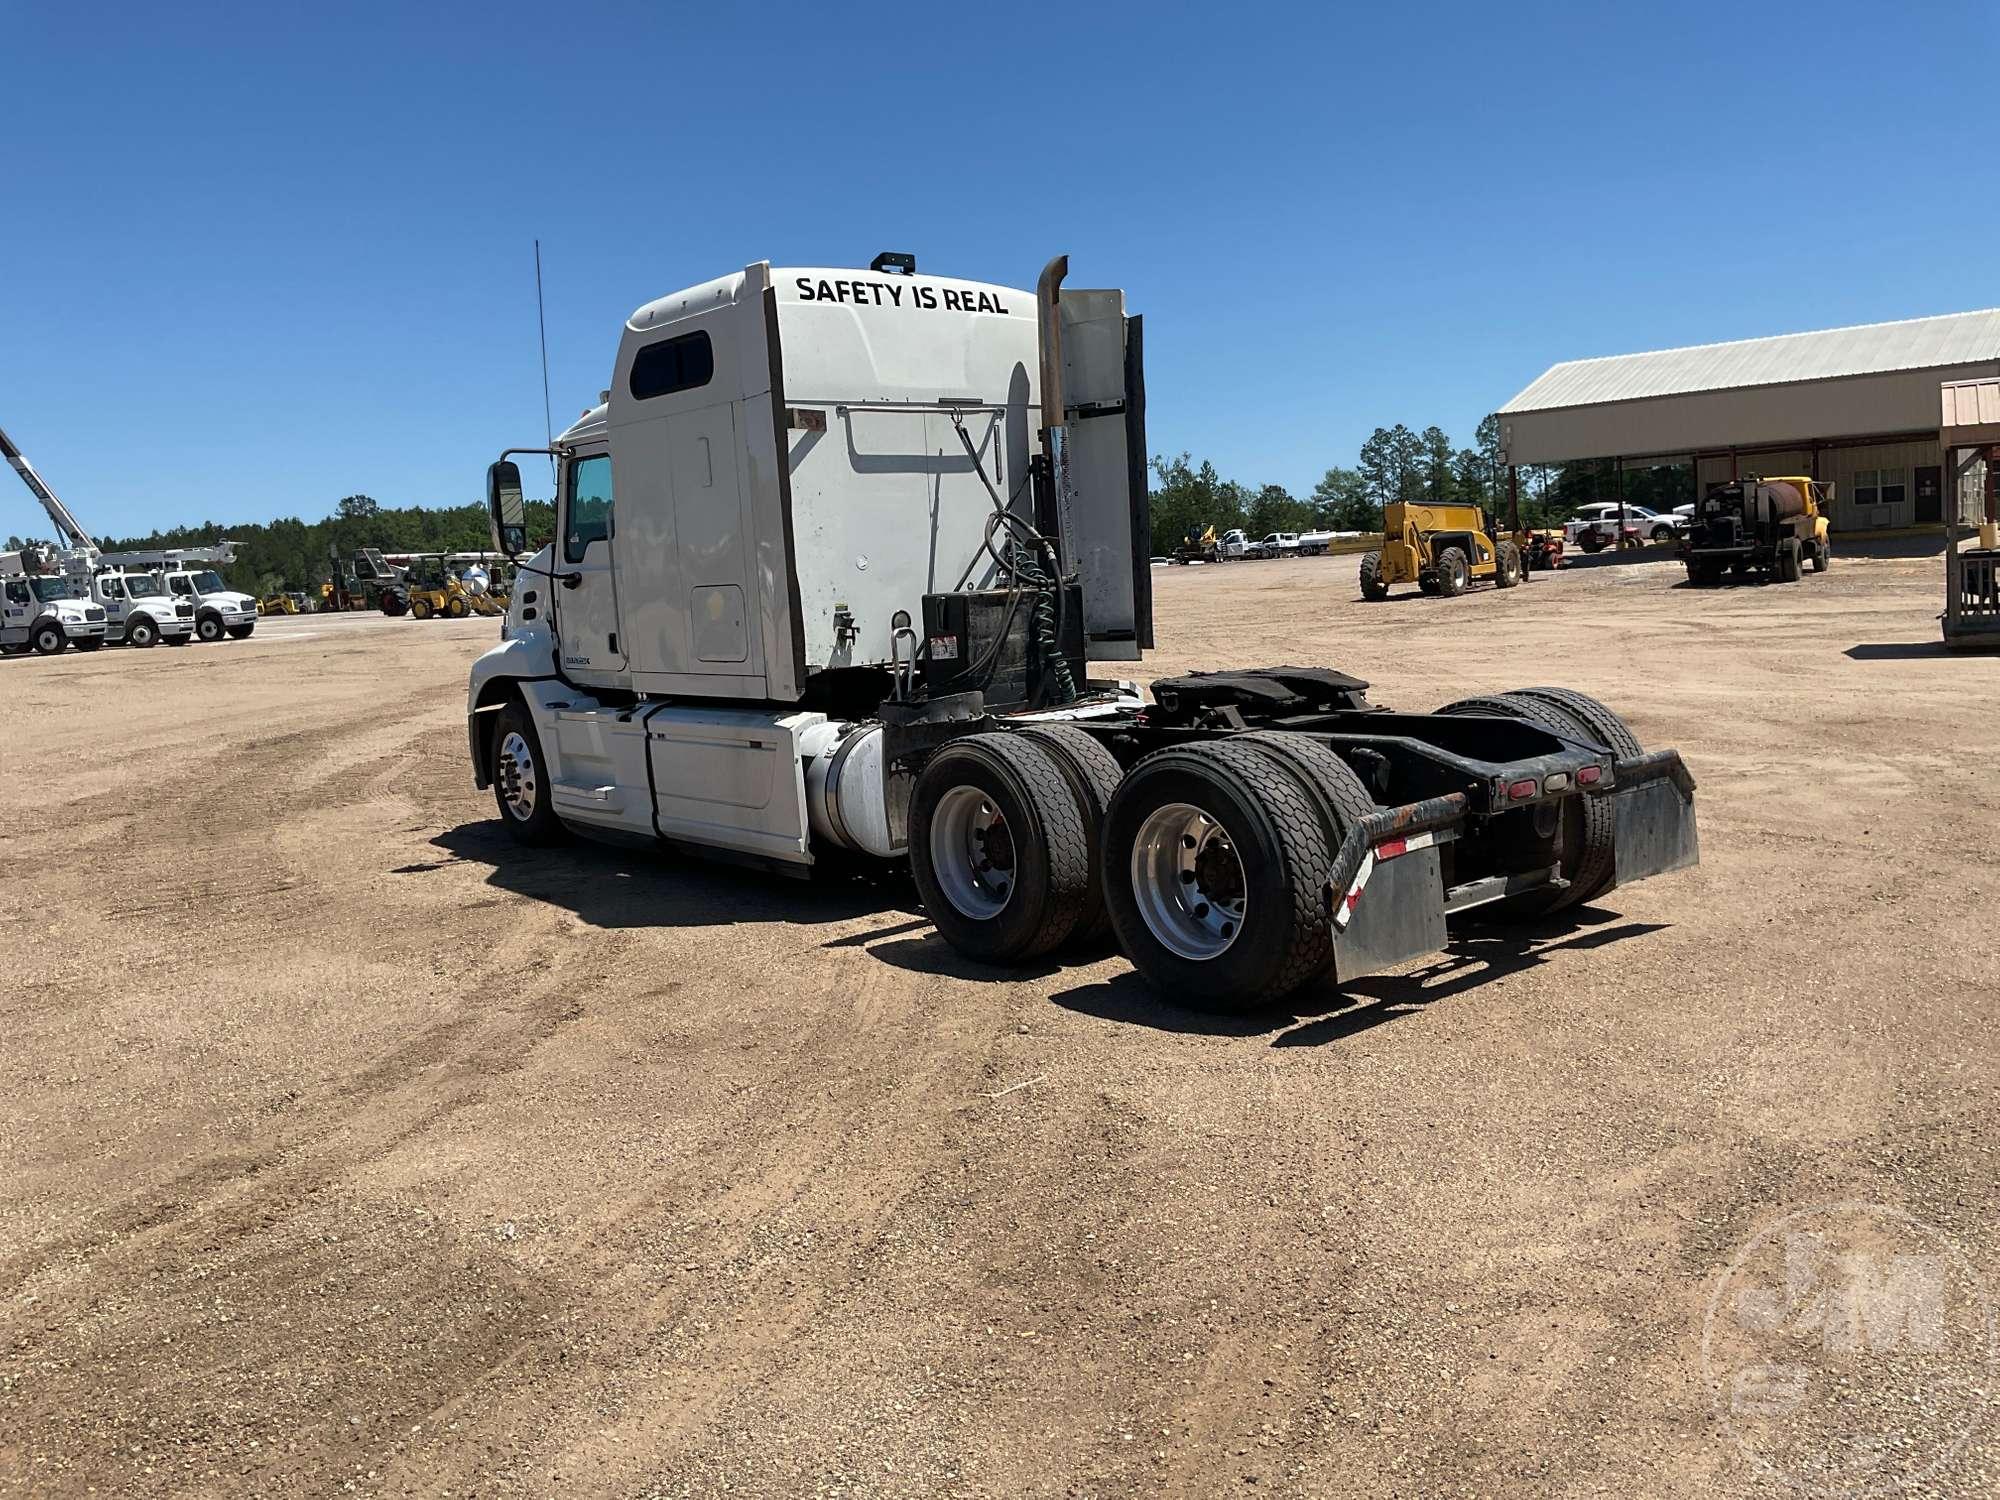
[[1442, 549]]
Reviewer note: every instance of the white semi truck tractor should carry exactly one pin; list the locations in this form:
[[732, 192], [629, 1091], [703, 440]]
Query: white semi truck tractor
[[837, 555]]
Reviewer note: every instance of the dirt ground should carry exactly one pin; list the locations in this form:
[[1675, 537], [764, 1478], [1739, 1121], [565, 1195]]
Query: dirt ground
[[348, 1150]]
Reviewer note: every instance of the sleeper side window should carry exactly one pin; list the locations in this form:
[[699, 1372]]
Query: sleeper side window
[[589, 505]]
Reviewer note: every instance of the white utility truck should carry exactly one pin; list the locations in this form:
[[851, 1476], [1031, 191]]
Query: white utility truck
[[138, 611], [834, 557], [44, 610], [42, 603], [218, 609]]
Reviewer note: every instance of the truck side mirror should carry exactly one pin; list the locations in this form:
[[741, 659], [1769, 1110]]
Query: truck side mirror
[[505, 508]]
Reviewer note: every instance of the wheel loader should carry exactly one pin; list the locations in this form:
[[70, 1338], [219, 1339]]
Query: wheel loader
[[1442, 549]]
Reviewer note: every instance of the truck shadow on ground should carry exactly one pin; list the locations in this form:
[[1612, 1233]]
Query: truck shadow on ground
[[610, 886], [1895, 650], [1322, 1013]]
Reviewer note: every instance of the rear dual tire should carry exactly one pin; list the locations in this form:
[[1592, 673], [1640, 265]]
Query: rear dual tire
[[1218, 863], [1586, 842], [999, 849]]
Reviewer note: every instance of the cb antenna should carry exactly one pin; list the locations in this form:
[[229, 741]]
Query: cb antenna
[[542, 323]]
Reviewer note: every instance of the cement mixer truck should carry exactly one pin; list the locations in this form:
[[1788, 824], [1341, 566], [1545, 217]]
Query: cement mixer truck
[[1770, 527]]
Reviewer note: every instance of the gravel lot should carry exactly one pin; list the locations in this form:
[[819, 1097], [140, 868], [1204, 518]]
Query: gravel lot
[[348, 1150]]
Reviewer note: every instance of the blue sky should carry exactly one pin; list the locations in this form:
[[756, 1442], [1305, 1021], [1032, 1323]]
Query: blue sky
[[250, 264]]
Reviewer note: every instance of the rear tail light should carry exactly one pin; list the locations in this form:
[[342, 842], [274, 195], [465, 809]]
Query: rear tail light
[[1589, 774], [1520, 791]]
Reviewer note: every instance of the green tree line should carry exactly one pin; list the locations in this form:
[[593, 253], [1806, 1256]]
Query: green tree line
[[1398, 463]]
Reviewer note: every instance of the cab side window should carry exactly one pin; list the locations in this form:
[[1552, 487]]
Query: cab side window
[[17, 592], [589, 505]]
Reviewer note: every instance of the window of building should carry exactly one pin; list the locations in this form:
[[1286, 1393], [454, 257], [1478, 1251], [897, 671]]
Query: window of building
[[589, 505], [677, 364], [1881, 486]]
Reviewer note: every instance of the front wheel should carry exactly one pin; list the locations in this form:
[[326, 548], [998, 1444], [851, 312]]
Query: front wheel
[[998, 848], [241, 632], [455, 607], [48, 639], [1453, 572], [1373, 586], [1822, 556], [89, 643], [208, 628], [1507, 567], [521, 779]]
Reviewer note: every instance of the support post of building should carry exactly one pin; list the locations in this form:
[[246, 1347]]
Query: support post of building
[[1514, 498]]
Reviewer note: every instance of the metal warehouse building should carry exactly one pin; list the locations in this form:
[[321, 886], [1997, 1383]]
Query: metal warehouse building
[[1855, 406]]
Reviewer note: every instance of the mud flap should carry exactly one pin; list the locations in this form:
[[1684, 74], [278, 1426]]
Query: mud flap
[[1655, 830], [1397, 915]]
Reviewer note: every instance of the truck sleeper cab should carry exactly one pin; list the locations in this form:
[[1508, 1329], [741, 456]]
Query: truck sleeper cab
[[41, 611], [835, 556]]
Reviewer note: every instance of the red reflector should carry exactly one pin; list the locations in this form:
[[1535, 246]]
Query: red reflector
[[1589, 774], [1391, 849], [1522, 789]]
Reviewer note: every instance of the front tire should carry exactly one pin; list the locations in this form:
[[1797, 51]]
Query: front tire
[[998, 848], [48, 639], [1373, 587], [208, 628], [1822, 555], [521, 779], [89, 643], [1508, 568], [1453, 572], [1218, 876], [455, 607], [241, 632]]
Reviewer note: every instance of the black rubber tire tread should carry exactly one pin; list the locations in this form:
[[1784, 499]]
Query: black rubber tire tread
[[1822, 557], [241, 632], [1342, 790], [455, 607], [1054, 823], [542, 826], [148, 629], [1262, 976], [1788, 566], [1372, 586], [1093, 774], [420, 609], [208, 628], [45, 633], [1508, 567], [1452, 572], [1595, 829], [1603, 725], [88, 643]]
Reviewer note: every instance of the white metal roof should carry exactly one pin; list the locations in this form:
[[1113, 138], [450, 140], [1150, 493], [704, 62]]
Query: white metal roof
[[1785, 359]]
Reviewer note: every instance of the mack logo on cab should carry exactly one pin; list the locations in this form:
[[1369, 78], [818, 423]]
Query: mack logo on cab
[[890, 294]]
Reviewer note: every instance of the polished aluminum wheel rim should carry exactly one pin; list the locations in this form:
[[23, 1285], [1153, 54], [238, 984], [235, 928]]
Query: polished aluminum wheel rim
[[972, 853], [1188, 881], [520, 783]]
